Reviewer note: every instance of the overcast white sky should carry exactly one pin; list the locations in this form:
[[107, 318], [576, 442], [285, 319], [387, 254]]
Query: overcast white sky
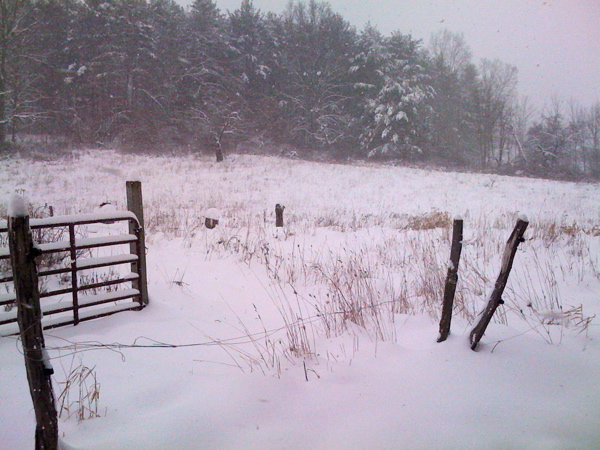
[[554, 43]]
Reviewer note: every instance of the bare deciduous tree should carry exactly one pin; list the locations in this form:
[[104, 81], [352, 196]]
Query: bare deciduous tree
[[494, 97], [451, 50], [13, 14]]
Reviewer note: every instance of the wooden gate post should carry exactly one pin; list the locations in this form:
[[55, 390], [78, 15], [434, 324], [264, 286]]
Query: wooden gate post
[[29, 316], [451, 279], [135, 205], [510, 250]]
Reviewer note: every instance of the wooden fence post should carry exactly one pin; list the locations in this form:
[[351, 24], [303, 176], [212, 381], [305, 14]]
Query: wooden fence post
[[210, 223], [29, 316], [510, 250], [279, 215], [135, 205], [451, 279], [211, 219]]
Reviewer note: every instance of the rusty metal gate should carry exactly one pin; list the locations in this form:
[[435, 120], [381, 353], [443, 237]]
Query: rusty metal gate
[[72, 255]]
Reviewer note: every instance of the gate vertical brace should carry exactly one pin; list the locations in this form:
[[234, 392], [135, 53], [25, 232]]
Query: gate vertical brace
[[74, 282], [135, 205], [29, 316]]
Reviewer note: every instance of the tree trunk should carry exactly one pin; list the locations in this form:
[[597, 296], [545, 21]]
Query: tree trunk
[[219, 153], [218, 149], [3, 122]]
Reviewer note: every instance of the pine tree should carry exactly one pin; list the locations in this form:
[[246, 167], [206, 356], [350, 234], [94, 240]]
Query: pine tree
[[254, 63], [210, 86], [396, 112]]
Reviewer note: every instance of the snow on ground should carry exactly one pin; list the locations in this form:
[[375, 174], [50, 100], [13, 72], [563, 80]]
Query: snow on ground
[[264, 358]]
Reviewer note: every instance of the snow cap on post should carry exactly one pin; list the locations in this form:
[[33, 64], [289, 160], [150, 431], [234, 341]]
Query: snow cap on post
[[212, 213], [17, 206], [212, 216]]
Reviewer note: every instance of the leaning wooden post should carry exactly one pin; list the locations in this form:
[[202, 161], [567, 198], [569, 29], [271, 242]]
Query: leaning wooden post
[[510, 250], [279, 215], [29, 317], [135, 205], [451, 279]]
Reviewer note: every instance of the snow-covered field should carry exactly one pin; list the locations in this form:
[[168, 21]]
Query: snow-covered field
[[323, 334]]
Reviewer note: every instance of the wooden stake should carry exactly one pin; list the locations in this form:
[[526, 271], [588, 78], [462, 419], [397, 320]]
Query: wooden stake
[[29, 317], [279, 215], [451, 279], [210, 223], [513, 242]]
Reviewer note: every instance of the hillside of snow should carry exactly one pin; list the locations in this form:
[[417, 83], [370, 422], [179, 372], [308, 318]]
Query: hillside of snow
[[321, 334]]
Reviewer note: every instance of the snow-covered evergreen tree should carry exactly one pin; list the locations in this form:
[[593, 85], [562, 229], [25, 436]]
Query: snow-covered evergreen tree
[[396, 104]]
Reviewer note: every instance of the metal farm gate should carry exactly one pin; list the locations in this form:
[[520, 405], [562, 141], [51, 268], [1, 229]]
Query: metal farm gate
[[64, 254]]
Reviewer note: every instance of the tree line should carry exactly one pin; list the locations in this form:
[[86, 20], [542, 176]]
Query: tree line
[[149, 74]]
